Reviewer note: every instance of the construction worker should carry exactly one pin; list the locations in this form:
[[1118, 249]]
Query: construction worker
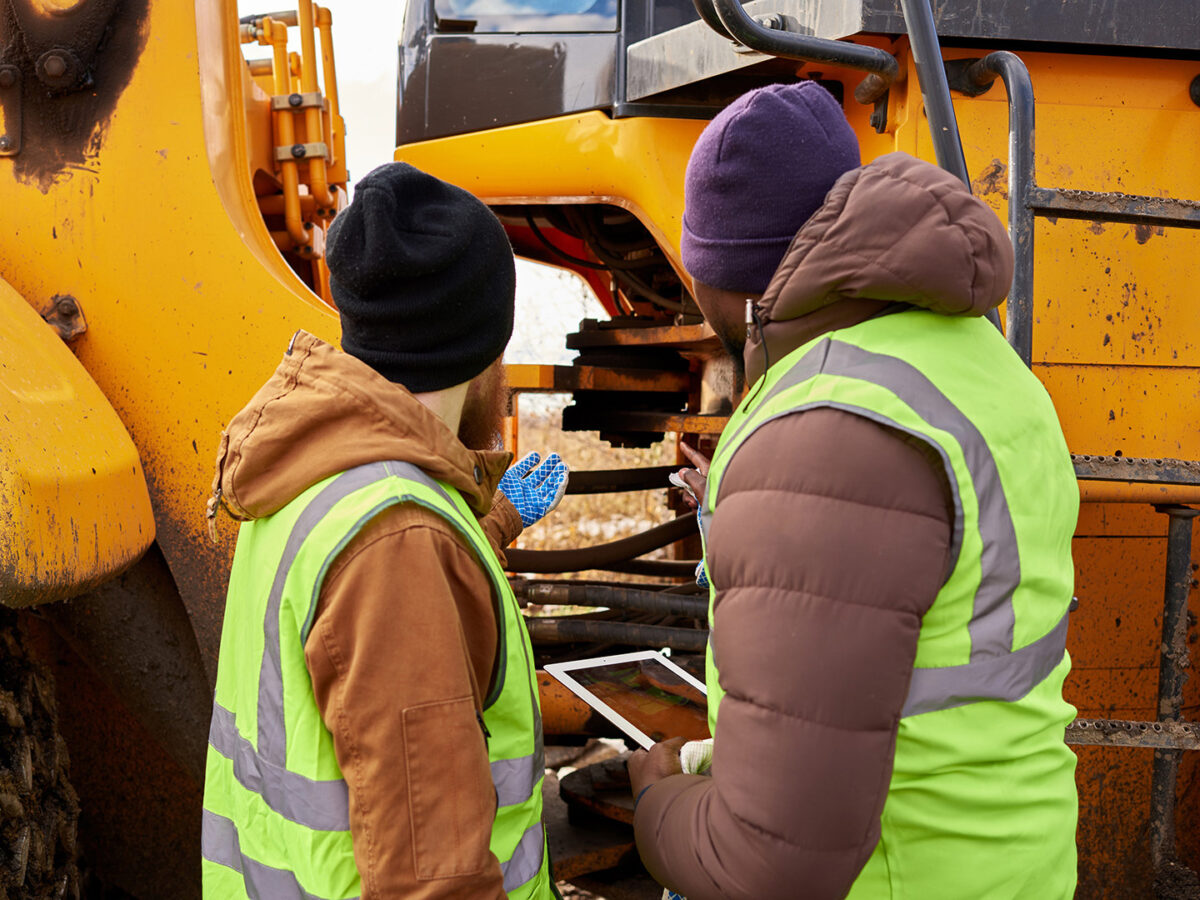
[[887, 523], [376, 730]]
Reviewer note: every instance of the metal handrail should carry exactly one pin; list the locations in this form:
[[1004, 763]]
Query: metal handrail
[[977, 78], [728, 18], [935, 92]]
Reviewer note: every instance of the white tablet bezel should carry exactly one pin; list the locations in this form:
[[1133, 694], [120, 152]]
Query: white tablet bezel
[[562, 672]]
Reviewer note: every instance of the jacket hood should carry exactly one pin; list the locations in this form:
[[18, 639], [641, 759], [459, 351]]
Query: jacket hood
[[323, 412], [898, 230]]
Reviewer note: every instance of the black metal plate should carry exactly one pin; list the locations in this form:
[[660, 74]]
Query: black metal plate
[[1168, 24]]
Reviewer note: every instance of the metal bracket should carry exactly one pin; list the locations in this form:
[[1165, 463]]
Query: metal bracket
[[282, 102], [294, 152], [1134, 469], [10, 110], [961, 76], [1123, 733], [774, 21]]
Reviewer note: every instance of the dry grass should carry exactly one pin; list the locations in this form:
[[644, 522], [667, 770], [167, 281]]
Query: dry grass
[[583, 520]]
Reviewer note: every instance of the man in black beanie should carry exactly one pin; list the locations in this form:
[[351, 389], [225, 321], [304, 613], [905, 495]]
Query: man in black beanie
[[376, 730]]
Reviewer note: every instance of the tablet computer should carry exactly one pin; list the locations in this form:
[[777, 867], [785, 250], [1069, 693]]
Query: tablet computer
[[644, 694]]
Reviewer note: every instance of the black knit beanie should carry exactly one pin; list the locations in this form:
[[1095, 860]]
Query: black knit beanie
[[423, 277]]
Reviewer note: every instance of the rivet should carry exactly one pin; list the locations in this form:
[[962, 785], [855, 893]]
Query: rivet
[[5, 142], [298, 151], [295, 100], [7, 77], [54, 65]]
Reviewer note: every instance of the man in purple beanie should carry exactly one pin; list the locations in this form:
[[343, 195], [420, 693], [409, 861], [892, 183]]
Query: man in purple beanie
[[887, 522]]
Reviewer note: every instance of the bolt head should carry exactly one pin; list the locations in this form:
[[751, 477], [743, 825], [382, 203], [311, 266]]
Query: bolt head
[[54, 65], [5, 142], [67, 307], [295, 100], [298, 151]]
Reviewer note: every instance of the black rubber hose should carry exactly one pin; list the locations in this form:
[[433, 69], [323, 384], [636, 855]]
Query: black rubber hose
[[571, 629], [605, 481], [655, 568], [601, 555], [615, 598]]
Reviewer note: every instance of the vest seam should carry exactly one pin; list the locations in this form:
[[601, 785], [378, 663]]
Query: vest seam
[[343, 542], [400, 497], [401, 530], [394, 532]]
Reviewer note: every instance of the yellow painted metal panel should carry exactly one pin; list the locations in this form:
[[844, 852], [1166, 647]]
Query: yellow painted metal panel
[[189, 304], [74, 500], [636, 163]]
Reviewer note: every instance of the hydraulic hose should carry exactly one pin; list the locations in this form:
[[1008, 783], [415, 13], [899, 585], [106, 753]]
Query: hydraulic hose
[[601, 555]]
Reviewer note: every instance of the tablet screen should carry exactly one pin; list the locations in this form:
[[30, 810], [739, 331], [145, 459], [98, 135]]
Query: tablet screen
[[648, 692]]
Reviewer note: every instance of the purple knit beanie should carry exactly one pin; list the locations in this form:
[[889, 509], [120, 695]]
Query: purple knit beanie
[[759, 171]]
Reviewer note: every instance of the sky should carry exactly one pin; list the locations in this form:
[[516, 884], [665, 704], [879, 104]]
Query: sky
[[365, 33]]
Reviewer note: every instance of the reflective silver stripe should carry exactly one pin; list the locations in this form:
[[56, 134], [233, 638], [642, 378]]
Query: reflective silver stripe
[[994, 671], [321, 805], [526, 860], [992, 618], [272, 741], [219, 844], [419, 475], [516, 780], [1009, 677], [991, 625], [412, 472]]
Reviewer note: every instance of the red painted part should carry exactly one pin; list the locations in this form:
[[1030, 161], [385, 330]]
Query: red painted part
[[526, 244]]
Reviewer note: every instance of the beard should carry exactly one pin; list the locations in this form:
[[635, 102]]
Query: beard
[[484, 409], [735, 346]]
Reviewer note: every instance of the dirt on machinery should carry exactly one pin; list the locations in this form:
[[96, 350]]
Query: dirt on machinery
[[39, 810]]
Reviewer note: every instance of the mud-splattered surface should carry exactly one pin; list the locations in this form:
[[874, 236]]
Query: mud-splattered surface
[[1176, 882], [39, 811], [992, 180], [63, 128]]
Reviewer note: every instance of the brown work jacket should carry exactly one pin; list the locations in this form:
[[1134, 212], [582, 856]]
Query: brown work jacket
[[405, 617], [829, 542]]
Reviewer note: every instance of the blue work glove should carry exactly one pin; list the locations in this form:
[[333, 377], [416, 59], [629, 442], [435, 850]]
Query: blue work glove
[[535, 489]]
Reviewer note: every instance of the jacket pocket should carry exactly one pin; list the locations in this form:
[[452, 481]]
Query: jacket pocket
[[451, 799]]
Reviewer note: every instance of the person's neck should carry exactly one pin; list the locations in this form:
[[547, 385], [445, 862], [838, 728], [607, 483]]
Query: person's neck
[[446, 404]]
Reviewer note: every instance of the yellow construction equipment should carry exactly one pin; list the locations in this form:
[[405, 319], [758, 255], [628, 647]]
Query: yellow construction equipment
[[167, 201]]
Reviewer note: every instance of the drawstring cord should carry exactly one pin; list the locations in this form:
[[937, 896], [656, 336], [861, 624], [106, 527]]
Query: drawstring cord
[[752, 318]]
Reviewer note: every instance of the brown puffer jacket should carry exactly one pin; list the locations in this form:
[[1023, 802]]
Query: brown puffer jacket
[[829, 542], [404, 622]]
